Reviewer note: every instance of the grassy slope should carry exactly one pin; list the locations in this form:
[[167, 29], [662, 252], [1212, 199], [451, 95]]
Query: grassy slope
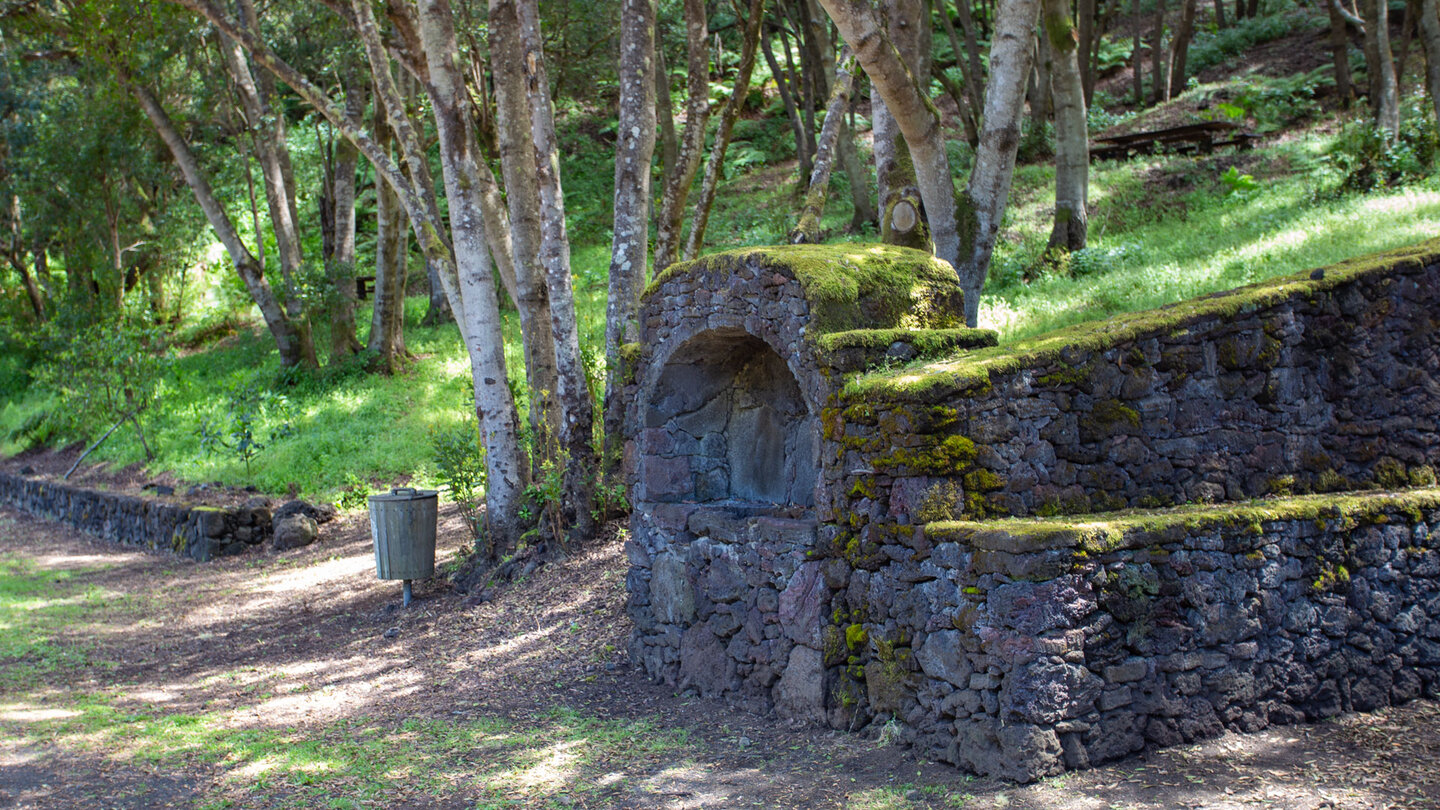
[[1164, 229]]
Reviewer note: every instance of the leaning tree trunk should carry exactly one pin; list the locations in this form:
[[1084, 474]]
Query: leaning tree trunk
[[1384, 93], [710, 184], [512, 117], [966, 100], [629, 248], [577, 438], [1430, 40], [286, 339], [1180, 48], [860, 26], [807, 228], [1072, 146], [909, 32], [268, 133], [692, 141]]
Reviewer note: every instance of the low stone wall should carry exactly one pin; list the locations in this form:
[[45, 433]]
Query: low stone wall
[[200, 532], [1020, 648]]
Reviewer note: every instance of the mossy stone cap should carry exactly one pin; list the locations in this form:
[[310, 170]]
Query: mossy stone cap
[[850, 285]]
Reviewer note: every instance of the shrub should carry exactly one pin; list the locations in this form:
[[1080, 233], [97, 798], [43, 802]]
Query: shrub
[[1368, 157]]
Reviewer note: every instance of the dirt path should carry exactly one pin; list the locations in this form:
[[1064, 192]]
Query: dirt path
[[137, 680]]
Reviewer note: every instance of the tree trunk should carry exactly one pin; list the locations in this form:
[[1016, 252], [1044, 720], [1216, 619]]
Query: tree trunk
[[1072, 146], [860, 25], [1220, 14], [577, 430], [479, 311], [629, 248], [1137, 59], [710, 184], [1384, 94], [1430, 40], [267, 131], [1340, 53], [665, 111], [1157, 56], [692, 141], [807, 229], [800, 82], [341, 263], [437, 309], [858, 173], [787, 98], [286, 339], [1407, 36], [1085, 18], [901, 220], [1180, 49], [969, 73], [532, 300], [392, 246], [16, 255]]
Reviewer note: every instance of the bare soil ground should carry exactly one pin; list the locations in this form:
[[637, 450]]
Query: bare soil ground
[[307, 649]]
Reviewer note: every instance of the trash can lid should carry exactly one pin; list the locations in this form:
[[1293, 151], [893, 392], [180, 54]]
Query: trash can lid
[[406, 494]]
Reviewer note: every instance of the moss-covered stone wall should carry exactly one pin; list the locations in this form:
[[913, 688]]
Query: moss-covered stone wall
[[200, 532]]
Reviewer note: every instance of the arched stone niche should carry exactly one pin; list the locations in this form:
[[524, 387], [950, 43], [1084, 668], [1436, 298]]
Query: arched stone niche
[[730, 474], [726, 421]]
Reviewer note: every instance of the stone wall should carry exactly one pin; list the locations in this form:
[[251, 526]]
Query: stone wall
[[1020, 648], [200, 532], [959, 570]]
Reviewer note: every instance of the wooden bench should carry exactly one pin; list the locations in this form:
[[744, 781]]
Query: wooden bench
[[1201, 138], [364, 285]]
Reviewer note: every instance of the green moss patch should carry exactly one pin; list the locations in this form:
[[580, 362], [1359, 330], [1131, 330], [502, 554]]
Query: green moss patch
[[1141, 527], [971, 370], [850, 286], [928, 342]]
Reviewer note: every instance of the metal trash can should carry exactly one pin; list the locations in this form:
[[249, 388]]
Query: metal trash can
[[402, 524]]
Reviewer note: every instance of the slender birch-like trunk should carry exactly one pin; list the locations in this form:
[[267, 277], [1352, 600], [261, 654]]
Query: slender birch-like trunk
[[576, 404], [341, 262], [267, 131], [532, 299], [630, 245], [1180, 49], [392, 244], [787, 99], [1072, 145], [1340, 54], [692, 139], [665, 112], [710, 183]]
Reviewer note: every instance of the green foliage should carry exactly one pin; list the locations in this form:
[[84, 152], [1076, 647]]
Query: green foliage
[[459, 455], [1237, 183], [105, 374], [239, 430], [1211, 48], [1037, 143], [1276, 103], [1367, 157]]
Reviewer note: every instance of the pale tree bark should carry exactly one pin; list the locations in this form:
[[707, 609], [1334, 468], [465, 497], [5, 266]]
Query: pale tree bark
[[908, 28], [532, 299], [576, 405], [1384, 92], [988, 190], [710, 183], [16, 255], [1180, 48], [1072, 146], [1430, 40], [477, 315], [267, 131], [392, 245], [918, 120], [807, 229], [787, 99], [823, 50], [692, 139], [1137, 59], [629, 248], [286, 339]]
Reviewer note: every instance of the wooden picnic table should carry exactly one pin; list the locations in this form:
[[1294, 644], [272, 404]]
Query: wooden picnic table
[[1200, 138]]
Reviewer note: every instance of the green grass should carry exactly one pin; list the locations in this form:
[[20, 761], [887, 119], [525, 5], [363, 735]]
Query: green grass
[[37, 608], [1150, 248]]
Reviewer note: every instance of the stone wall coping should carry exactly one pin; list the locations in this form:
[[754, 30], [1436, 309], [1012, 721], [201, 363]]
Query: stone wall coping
[[973, 369], [1133, 529]]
